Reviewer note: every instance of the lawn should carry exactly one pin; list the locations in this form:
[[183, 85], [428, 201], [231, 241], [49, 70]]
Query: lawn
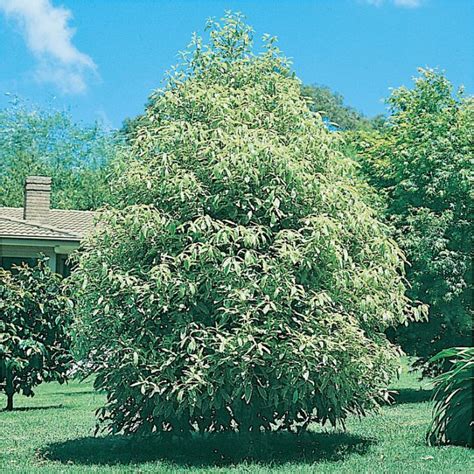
[[53, 432]]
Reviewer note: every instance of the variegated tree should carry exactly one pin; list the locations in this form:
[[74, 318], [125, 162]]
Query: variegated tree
[[243, 284]]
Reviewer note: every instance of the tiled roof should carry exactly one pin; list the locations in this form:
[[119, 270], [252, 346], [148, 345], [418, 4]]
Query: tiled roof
[[61, 224]]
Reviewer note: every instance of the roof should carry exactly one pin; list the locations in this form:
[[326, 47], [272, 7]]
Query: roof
[[61, 225]]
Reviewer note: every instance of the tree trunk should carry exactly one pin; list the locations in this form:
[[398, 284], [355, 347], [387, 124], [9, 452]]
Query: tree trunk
[[9, 402], [9, 390]]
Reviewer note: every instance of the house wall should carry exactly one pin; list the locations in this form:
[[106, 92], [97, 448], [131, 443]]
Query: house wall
[[29, 252], [56, 251]]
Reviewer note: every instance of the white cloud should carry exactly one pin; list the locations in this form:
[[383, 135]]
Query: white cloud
[[49, 37], [397, 3], [103, 118]]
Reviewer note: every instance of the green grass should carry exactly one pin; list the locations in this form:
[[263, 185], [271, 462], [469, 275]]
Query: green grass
[[53, 432]]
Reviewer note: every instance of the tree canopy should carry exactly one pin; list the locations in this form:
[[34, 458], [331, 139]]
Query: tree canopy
[[330, 105], [50, 143], [422, 163]]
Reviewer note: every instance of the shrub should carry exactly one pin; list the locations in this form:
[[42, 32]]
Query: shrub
[[243, 285], [453, 421], [421, 162], [34, 318]]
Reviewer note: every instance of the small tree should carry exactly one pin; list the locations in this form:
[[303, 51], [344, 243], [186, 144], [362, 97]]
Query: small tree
[[421, 162], [34, 337], [244, 285]]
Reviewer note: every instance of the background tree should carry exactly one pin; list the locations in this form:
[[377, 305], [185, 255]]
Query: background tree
[[422, 162], [333, 110], [78, 158], [34, 330], [243, 284]]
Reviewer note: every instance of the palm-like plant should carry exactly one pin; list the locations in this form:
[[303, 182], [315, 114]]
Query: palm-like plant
[[454, 396]]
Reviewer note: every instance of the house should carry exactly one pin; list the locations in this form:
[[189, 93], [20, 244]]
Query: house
[[35, 228]]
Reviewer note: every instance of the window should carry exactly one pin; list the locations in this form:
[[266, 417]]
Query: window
[[62, 265], [9, 262]]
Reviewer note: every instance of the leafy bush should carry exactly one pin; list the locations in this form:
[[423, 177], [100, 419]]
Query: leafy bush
[[453, 420], [34, 321], [421, 162], [244, 285]]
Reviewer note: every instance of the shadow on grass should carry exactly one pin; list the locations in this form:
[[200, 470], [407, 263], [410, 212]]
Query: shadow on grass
[[208, 450], [412, 395], [47, 407], [76, 393]]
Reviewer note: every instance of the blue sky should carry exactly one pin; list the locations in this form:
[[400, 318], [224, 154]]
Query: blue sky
[[102, 58]]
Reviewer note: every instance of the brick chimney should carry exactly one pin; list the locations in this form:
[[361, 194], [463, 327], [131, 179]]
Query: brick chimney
[[37, 198]]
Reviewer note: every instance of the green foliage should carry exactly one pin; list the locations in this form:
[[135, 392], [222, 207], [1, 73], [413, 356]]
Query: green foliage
[[422, 163], [34, 322], [332, 108], [49, 143], [244, 284], [453, 420]]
